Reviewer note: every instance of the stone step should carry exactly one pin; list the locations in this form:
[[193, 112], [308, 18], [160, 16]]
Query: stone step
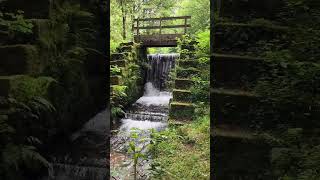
[[232, 71], [39, 29], [246, 9], [181, 111], [19, 59], [239, 154], [125, 48], [127, 44], [183, 83], [233, 107], [32, 8], [240, 38], [187, 73], [188, 63], [22, 87], [182, 95], [120, 56], [119, 63], [4, 86], [115, 80]]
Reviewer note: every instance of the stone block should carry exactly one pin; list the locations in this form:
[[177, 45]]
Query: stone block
[[245, 9], [181, 111], [24, 87], [239, 72], [183, 83], [120, 56], [182, 95], [188, 63], [119, 63], [233, 107], [240, 154], [240, 38], [39, 9], [19, 59], [4, 86], [123, 49], [115, 80], [187, 73]]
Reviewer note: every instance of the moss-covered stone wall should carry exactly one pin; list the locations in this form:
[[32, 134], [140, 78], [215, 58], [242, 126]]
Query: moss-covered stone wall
[[60, 58]]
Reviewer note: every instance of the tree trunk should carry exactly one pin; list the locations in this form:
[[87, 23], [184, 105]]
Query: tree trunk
[[124, 36]]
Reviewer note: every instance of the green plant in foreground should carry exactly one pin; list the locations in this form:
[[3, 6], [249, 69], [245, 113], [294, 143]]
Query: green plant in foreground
[[135, 150]]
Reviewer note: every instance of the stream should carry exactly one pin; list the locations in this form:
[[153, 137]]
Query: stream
[[149, 112]]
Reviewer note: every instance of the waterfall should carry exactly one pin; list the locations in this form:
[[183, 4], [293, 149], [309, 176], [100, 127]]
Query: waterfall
[[160, 66], [149, 112]]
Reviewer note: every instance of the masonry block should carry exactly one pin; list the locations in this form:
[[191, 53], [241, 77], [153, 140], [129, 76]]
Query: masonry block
[[181, 111], [119, 63], [240, 155], [232, 71], [19, 59], [188, 63], [4, 86], [24, 87], [233, 107], [187, 73], [120, 56], [39, 9], [182, 95], [115, 80], [240, 38], [240, 9], [122, 49], [183, 83]]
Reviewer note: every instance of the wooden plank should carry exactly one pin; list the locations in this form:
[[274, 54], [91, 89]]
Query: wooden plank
[[164, 18], [164, 27]]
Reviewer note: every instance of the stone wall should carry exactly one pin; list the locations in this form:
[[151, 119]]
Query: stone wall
[[62, 60]]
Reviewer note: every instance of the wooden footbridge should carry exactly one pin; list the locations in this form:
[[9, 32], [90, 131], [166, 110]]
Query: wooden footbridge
[[159, 32]]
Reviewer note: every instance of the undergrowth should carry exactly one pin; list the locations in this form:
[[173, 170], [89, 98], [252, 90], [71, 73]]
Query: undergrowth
[[182, 152]]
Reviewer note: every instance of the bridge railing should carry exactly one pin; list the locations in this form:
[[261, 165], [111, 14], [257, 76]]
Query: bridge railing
[[140, 24]]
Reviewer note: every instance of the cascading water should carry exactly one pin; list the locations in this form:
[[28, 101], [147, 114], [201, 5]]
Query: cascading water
[[149, 112], [160, 65]]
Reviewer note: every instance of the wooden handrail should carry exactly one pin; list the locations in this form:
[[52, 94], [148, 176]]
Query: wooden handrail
[[163, 27], [164, 18], [160, 27]]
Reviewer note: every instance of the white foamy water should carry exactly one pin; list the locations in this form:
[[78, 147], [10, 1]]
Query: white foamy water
[[154, 97], [128, 124]]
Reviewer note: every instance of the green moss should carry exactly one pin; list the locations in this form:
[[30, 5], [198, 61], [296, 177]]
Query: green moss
[[24, 88], [187, 73], [183, 83], [181, 111], [182, 95]]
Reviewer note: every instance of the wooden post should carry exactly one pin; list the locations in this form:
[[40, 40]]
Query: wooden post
[[185, 25], [160, 25]]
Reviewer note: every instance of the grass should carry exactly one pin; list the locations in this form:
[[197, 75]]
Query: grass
[[183, 152]]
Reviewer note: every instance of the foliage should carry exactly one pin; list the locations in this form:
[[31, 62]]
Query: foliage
[[16, 23], [19, 156], [182, 152], [203, 39], [199, 10], [135, 148], [115, 70]]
